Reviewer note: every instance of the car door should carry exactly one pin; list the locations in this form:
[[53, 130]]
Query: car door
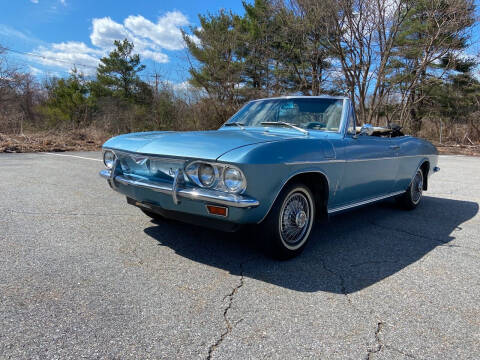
[[371, 166]]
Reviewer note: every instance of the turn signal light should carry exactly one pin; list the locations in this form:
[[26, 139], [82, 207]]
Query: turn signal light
[[217, 210]]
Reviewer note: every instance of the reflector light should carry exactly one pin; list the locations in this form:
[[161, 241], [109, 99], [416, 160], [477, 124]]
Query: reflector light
[[217, 210]]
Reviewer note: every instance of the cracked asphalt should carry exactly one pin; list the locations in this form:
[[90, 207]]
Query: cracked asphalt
[[84, 275]]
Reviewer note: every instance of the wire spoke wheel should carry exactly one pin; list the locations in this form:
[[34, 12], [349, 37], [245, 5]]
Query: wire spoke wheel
[[416, 188], [295, 219]]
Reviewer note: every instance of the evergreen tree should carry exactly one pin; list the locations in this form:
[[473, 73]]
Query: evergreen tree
[[68, 102], [117, 75], [217, 69], [434, 31]]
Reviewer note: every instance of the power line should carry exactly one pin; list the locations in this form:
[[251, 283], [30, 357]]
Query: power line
[[145, 76], [49, 58]]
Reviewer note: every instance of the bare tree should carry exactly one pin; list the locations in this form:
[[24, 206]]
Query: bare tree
[[19, 93]]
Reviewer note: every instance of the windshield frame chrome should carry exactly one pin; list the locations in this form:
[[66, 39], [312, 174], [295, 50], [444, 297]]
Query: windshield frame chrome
[[343, 116]]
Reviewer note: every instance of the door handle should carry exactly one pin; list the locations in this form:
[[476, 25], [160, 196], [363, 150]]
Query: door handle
[[394, 147]]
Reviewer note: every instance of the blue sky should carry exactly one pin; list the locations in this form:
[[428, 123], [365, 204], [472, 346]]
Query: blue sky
[[67, 32]]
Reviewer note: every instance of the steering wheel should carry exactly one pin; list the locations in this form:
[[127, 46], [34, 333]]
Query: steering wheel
[[315, 125]]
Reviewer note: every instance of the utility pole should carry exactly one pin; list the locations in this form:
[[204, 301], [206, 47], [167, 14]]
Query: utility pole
[[157, 77]]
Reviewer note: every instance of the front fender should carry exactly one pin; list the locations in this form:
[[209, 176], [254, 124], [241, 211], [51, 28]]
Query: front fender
[[268, 167]]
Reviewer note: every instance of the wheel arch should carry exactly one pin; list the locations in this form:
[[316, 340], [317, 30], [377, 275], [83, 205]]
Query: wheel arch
[[425, 167], [317, 182]]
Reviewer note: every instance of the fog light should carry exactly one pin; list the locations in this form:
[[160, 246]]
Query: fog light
[[217, 210]]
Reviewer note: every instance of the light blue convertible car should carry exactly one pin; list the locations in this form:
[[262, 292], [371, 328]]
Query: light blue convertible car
[[278, 162]]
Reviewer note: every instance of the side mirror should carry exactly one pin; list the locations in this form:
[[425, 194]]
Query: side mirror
[[366, 129]]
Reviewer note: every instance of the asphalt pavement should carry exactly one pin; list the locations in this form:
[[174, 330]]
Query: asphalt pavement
[[84, 275]]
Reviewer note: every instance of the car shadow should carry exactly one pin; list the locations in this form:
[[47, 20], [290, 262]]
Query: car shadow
[[352, 251]]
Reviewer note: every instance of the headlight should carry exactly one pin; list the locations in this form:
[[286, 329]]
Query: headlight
[[218, 176], [233, 179], [109, 158], [206, 174]]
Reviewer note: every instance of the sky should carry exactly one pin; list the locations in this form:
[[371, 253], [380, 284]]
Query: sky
[[67, 32]]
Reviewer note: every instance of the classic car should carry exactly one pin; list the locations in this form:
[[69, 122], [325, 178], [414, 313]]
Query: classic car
[[280, 162]]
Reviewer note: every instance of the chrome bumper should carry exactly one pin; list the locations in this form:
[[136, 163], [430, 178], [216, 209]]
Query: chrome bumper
[[208, 195]]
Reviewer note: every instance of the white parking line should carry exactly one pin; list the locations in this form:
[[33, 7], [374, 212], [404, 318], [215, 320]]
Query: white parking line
[[75, 156]]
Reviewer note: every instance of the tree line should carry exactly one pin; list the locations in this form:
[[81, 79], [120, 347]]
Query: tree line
[[402, 61]]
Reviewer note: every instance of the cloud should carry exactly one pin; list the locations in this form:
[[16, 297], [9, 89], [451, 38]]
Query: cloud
[[8, 31], [150, 40], [165, 33], [34, 1], [106, 31], [63, 2], [155, 56], [34, 71], [66, 55]]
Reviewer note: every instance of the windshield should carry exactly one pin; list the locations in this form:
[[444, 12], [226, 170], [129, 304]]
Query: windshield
[[307, 113]]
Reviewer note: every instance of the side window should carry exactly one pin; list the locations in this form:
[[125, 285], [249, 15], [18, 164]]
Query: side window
[[351, 130]]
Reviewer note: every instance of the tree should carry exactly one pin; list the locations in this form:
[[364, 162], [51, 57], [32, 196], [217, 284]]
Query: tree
[[68, 102], [117, 75], [433, 30], [216, 66], [258, 32], [454, 100], [301, 50], [19, 95]]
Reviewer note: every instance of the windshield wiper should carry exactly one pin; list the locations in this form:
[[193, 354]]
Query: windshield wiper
[[282, 123], [235, 124]]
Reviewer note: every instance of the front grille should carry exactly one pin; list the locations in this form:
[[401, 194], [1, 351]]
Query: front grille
[[150, 167]]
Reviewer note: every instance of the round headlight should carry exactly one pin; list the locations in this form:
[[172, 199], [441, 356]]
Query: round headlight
[[233, 179], [108, 158], [206, 174]]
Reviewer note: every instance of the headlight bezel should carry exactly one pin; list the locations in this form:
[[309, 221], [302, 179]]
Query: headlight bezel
[[191, 169], [109, 163]]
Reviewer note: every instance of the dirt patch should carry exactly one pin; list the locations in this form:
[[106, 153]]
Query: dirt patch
[[455, 149], [81, 140], [92, 139]]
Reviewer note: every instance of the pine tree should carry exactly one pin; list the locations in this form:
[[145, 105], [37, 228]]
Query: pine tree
[[117, 75]]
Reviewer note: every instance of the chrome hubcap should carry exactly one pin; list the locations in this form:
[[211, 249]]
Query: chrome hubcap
[[301, 219], [417, 187], [295, 219]]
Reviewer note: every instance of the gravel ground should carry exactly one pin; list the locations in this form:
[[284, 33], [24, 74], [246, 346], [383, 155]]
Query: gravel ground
[[84, 275]]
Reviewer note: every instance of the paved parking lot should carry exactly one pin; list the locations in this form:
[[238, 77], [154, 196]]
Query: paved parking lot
[[84, 275]]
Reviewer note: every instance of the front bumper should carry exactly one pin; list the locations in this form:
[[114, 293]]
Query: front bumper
[[175, 191]]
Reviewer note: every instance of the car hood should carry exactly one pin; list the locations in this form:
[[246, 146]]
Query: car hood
[[209, 145]]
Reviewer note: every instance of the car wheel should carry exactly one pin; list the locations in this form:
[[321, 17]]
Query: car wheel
[[288, 225], [412, 197]]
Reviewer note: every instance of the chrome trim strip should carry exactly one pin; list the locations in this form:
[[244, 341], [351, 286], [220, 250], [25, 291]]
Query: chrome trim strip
[[112, 173], [343, 117], [314, 162], [375, 159], [387, 158], [303, 97], [176, 182], [364, 202], [199, 194], [105, 174], [353, 160]]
